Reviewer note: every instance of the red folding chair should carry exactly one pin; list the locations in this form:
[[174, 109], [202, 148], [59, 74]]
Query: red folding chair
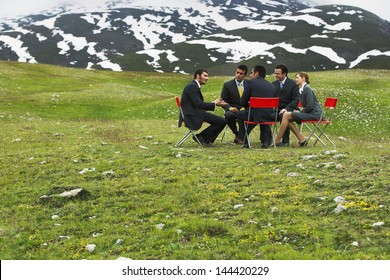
[[263, 103], [190, 131], [320, 126]]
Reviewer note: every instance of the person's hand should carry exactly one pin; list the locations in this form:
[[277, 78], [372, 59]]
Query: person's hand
[[220, 102], [282, 111], [233, 109]]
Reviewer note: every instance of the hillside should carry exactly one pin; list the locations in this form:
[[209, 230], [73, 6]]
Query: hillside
[[112, 135], [174, 36]]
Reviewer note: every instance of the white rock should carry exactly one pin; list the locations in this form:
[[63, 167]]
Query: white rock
[[308, 157], [142, 147], [342, 138], [339, 166], [96, 234], [85, 170], [90, 247], [301, 166], [178, 155], [378, 224], [277, 171], [339, 199], [160, 226], [238, 206], [108, 173], [330, 152], [70, 193], [326, 164], [338, 156], [63, 237], [119, 241], [274, 209], [53, 217], [149, 137], [339, 208], [179, 231], [355, 243], [292, 174]]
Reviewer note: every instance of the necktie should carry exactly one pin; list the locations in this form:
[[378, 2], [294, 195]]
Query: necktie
[[281, 85], [240, 89]]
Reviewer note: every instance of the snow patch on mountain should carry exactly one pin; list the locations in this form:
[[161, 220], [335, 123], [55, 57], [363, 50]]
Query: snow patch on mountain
[[16, 45], [367, 55]]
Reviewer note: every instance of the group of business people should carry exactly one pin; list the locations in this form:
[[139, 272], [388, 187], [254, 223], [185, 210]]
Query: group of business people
[[235, 96]]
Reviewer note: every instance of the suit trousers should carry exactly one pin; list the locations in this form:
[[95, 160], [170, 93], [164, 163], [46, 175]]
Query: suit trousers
[[265, 130], [217, 124], [231, 119]]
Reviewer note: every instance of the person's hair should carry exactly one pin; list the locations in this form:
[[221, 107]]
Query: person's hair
[[199, 72], [304, 75], [243, 68], [259, 69], [283, 68]]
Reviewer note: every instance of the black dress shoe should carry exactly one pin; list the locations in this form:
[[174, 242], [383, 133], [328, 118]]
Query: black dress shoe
[[303, 144], [265, 145], [238, 141], [279, 144], [285, 144], [245, 146]]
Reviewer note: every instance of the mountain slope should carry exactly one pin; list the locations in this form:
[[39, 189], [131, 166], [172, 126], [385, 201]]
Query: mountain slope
[[175, 36]]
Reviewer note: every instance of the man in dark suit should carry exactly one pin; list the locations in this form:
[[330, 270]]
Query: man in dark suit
[[288, 93], [194, 109], [256, 87], [231, 93]]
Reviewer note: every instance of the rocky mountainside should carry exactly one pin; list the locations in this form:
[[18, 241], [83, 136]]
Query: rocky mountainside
[[177, 36]]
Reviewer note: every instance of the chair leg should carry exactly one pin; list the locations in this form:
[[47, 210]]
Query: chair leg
[[322, 133], [224, 134], [185, 137], [246, 136], [274, 133], [313, 133]]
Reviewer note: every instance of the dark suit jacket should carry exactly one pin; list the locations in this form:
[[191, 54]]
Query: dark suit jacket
[[288, 95], [230, 94], [193, 106], [310, 103], [259, 88]]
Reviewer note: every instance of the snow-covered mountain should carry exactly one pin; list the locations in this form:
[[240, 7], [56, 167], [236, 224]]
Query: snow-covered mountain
[[177, 36]]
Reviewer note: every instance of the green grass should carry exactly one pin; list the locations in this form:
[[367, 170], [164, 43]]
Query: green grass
[[57, 121]]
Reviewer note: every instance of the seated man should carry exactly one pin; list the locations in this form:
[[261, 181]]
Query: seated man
[[256, 87], [231, 93], [194, 109], [288, 93]]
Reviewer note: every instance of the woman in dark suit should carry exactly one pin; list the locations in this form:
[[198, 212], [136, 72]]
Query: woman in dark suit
[[311, 110]]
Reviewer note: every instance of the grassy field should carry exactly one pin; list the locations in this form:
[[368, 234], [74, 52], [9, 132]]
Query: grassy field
[[113, 135]]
